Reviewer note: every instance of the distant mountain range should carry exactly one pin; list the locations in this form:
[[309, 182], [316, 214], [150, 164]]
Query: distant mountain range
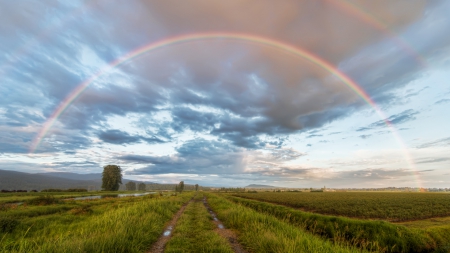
[[259, 186], [13, 180]]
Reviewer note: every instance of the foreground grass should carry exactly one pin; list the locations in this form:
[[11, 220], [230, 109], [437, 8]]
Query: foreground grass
[[104, 225], [366, 234], [194, 231], [264, 233], [390, 206]]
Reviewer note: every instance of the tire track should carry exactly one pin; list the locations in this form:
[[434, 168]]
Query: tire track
[[159, 246], [228, 234]]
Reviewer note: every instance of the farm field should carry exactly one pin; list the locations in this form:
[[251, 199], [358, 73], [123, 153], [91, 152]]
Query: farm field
[[46, 223], [372, 234], [389, 206]]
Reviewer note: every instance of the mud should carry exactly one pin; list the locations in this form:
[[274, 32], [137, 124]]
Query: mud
[[228, 234], [158, 246]]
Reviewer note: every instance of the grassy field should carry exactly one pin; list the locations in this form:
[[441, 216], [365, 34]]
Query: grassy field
[[47, 223], [15, 197], [260, 232], [102, 225], [388, 206], [194, 232]]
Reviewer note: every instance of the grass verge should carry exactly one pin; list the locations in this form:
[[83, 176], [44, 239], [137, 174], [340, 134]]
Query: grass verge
[[104, 225], [366, 234], [264, 233], [194, 232]]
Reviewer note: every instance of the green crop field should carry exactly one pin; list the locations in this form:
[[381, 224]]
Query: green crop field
[[388, 206]]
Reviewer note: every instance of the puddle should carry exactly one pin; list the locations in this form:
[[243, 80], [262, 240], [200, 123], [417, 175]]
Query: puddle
[[111, 196], [168, 231], [213, 215]]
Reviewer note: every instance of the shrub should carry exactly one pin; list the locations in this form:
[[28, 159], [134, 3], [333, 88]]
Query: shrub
[[7, 224], [43, 200]]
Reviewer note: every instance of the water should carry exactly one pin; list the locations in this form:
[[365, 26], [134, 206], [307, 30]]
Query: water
[[111, 196], [168, 231]]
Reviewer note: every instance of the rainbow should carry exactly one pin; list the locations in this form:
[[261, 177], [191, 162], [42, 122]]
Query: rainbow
[[374, 22], [302, 53]]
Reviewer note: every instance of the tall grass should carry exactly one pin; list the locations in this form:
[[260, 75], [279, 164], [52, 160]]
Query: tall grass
[[194, 232], [264, 233], [117, 225], [367, 234]]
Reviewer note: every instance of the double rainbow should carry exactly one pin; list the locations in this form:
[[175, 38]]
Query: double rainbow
[[299, 52]]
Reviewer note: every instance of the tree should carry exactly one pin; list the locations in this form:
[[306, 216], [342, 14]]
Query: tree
[[196, 187], [111, 177], [180, 187], [130, 186], [141, 187]]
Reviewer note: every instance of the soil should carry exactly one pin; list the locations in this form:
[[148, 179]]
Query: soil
[[228, 234]]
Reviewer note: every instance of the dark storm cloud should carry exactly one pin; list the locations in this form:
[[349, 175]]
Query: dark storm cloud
[[395, 119]]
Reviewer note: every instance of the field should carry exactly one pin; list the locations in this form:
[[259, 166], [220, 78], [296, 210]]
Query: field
[[388, 206], [212, 222]]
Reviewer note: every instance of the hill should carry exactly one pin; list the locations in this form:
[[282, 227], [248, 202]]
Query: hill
[[13, 180], [259, 186]]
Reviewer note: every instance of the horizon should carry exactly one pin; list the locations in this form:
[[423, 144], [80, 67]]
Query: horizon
[[348, 94]]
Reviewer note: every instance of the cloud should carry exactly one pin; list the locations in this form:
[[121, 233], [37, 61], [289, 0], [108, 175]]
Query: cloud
[[433, 160], [115, 136], [439, 142], [395, 119], [442, 101], [192, 157]]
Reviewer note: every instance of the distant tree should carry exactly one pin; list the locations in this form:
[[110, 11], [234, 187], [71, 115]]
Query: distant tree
[[111, 177], [180, 187], [130, 186], [141, 187], [196, 187]]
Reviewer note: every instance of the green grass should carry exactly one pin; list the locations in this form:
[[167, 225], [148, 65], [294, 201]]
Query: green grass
[[365, 205], [367, 234], [14, 197], [264, 233], [103, 225], [194, 232]]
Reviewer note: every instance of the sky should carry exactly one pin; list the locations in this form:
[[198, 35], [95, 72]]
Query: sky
[[342, 94]]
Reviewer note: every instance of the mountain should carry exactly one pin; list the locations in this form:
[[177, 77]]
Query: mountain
[[259, 186], [74, 176], [13, 180]]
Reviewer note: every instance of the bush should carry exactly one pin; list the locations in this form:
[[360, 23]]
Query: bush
[[43, 200], [81, 210], [7, 224]]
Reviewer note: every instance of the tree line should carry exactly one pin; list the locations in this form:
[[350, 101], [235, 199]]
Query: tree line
[[112, 179]]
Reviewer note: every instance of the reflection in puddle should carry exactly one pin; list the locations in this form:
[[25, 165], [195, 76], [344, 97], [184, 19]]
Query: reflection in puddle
[[168, 231], [111, 196], [213, 215]]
